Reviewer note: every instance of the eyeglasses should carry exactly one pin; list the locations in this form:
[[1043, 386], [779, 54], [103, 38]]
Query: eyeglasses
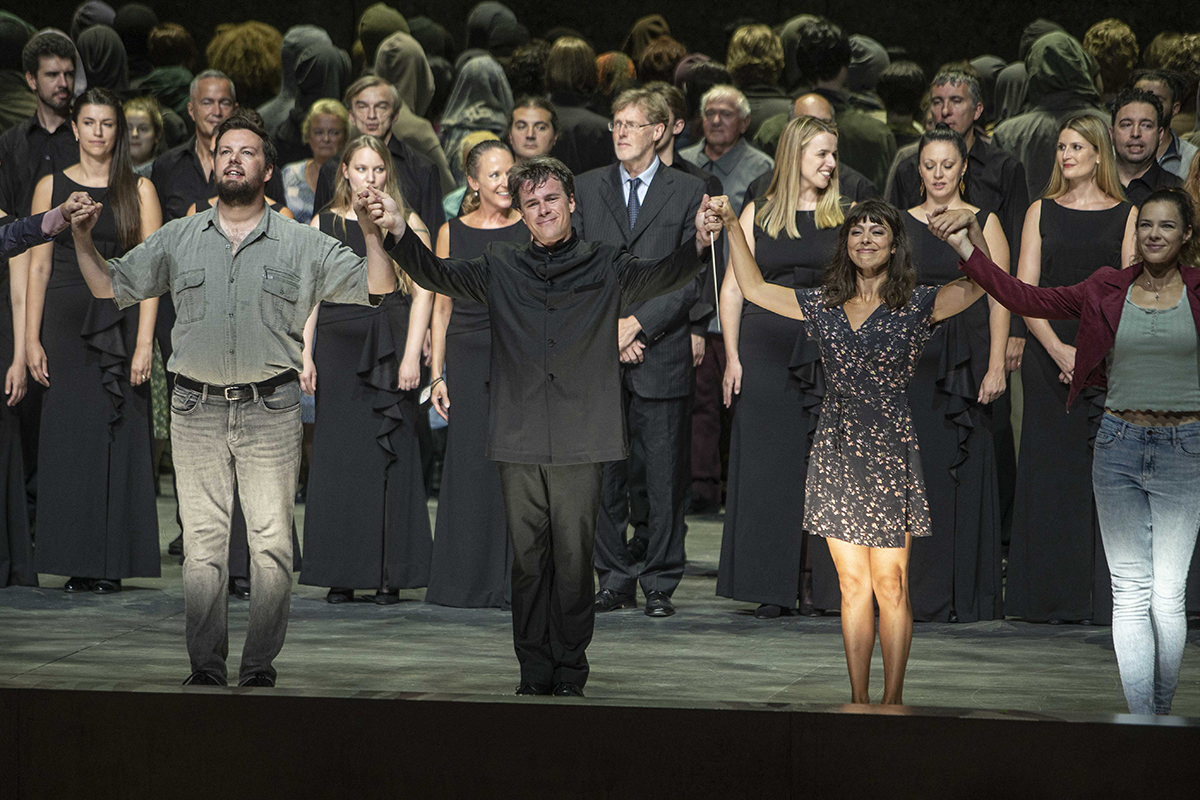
[[630, 127]]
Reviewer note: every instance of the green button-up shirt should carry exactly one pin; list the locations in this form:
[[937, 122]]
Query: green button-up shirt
[[239, 316]]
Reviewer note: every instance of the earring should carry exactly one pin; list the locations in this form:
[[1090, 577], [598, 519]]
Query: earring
[[962, 184], [922, 188]]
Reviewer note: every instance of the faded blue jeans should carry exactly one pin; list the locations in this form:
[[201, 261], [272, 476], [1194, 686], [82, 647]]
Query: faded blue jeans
[[253, 445], [1147, 489]]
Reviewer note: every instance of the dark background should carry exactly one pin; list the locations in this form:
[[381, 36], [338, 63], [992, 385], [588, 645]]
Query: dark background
[[934, 31]]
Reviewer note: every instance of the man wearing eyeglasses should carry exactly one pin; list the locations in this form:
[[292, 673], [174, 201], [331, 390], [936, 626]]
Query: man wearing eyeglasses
[[724, 150], [649, 209]]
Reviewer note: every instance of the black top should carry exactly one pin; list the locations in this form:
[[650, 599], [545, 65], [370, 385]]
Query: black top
[[28, 152], [179, 180], [555, 386], [795, 263], [935, 262], [1154, 179], [469, 316], [418, 178], [1077, 243]]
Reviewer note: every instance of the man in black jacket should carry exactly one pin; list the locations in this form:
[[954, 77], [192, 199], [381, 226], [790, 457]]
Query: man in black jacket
[[648, 208], [555, 412]]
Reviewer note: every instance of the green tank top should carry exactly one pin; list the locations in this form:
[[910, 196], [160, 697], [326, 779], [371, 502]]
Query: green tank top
[[1154, 363]]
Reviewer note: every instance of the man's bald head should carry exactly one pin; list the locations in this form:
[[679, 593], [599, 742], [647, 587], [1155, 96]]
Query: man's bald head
[[813, 105]]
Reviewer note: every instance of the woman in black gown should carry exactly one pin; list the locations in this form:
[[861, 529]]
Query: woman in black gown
[[366, 524], [96, 515], [955, 573], [793, 232], [472, 558], [16, 547], [1056, 566]]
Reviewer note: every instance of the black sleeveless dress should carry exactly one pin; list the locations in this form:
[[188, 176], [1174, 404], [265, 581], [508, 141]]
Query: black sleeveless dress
[[16, 548], [96, 512], [366, 523], [472, 558], [774, 419], [955, 573], [1056, 565]]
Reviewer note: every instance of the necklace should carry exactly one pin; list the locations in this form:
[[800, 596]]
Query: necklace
[[1150, 288]]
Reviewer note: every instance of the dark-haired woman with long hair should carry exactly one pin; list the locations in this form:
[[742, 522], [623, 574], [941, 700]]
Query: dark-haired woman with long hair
[[96, 516], [472, 557], [956, 572], [366, 525], [1139, 338], [864, 492], [1056, 567]]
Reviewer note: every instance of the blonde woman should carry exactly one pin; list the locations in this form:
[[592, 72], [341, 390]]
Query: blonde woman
[[325, 129], [1056, 569], [792, 231], [366, 523]]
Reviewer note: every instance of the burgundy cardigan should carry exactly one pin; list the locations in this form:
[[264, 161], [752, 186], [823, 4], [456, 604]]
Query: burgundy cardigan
[[1095, 302]]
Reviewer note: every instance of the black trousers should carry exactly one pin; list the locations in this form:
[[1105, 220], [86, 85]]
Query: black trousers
[[649, 490], [551, 514]]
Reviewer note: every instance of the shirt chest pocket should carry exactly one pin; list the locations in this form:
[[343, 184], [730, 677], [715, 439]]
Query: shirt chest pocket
[[190, 301], [280, 295]]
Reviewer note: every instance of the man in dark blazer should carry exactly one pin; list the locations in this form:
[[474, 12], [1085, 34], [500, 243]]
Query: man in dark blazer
[[555, 411], [649, 209]]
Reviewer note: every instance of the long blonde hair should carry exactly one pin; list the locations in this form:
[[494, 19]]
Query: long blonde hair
[[1094, 132], [342, 200], [778, 213]]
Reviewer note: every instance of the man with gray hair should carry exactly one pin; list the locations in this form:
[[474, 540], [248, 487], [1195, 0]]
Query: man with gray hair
[[724, 150]]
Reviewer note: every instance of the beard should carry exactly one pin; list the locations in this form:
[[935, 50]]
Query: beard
[[63, 108], [239, 193]]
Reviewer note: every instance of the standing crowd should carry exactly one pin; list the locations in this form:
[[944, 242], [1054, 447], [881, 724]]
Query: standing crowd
[[358, 278]]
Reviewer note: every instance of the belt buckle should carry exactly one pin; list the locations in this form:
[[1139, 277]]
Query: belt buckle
[[234, 390]]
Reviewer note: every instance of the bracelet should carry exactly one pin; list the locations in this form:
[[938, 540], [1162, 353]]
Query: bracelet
[[435, 382]]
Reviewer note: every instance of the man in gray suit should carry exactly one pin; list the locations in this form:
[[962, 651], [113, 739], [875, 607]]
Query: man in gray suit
[[650, 209]]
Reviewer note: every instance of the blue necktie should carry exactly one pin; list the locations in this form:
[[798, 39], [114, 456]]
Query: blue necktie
[[635, 205]]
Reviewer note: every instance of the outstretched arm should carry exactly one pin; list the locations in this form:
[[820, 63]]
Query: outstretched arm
[[770, 296], [963, 231]]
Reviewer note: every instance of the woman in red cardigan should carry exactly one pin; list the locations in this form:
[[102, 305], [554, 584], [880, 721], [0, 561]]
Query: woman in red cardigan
[[1138, 336]]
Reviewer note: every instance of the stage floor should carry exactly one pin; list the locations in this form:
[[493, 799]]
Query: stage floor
[[712, 650]]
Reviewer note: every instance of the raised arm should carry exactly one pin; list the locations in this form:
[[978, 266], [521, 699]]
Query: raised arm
[[381, 272], [91, 264], [772, 297], [957, 296]]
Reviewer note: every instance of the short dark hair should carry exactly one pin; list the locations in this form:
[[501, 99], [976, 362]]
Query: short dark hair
[[45, 45], [533, 101], [660, 58], [1174, 82], [171, 45], [673, 95], [822, 50], [241, 120], [901, 87], [526, 68], [537, 171], [1130, 95], [942, 133]]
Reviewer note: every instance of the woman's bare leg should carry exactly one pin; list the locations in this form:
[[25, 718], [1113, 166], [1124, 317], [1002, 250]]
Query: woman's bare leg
[[889, 580], [853, 564]]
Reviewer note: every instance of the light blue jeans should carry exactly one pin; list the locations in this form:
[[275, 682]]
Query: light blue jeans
[[1147, 489], [253, 445]]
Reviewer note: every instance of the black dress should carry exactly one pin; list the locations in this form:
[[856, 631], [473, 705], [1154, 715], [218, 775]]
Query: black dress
[[96, 512], [16, 548], [366, 523], [955, 572], [774, 419], [1056, 565], [472, 557]]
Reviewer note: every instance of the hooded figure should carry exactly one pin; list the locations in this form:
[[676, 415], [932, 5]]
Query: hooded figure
[[93, 12], [320, 70], [868, 60], [104, 58], [1012, 81], [17, 102], [377, 23], [989, 68], [298, 39], [134, 22], [485, 18], [790, 36], [401, 62], [1060, 86], [643, 32], [480, 100]]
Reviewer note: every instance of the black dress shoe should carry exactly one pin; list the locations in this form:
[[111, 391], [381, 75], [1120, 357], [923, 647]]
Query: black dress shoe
[[768, 611], [204, 679], [608, 600], [337, 596], [106, 587], [175, 548], [568, 690], [387, 597], [658, 604], [79, 585], [258, 679], [240, 588], [532, 689], [637, 549]]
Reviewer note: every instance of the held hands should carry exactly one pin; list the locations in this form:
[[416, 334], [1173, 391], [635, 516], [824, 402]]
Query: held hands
[[723, 209], [708, 220], [83, 218], [380, 209], [954, 227]]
